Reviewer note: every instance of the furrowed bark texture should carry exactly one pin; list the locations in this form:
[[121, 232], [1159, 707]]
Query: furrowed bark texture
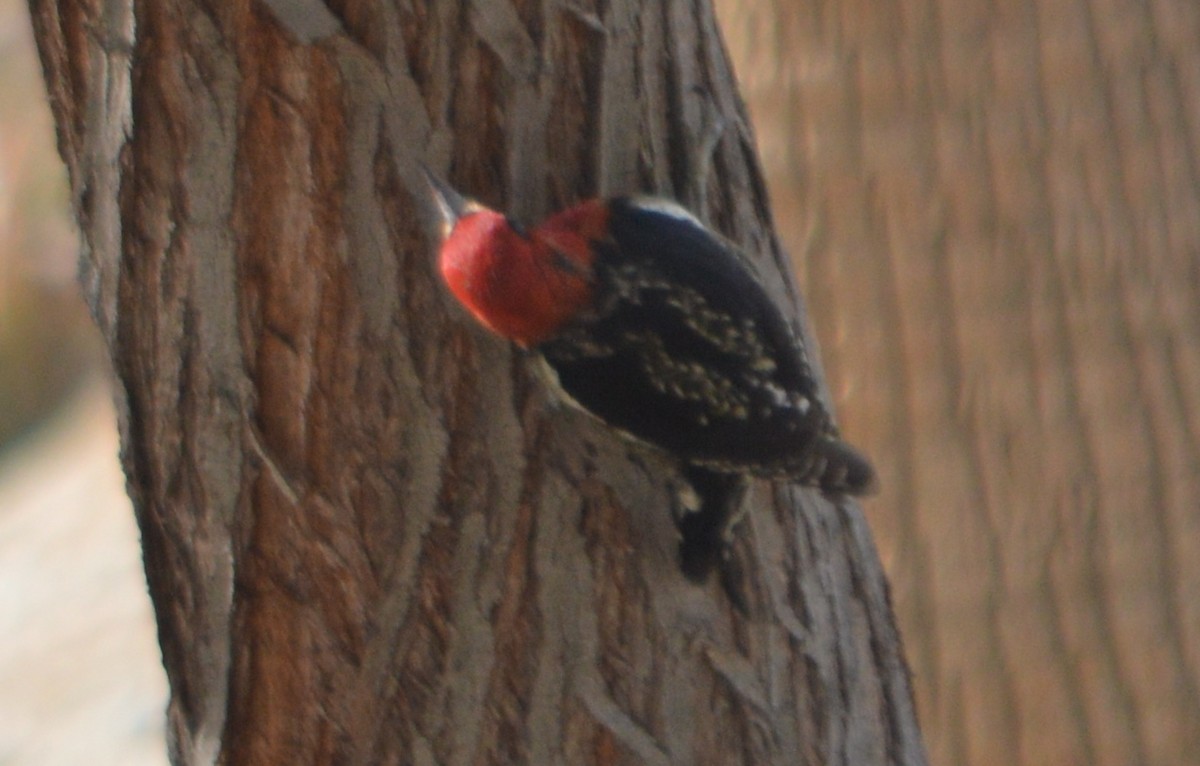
[[998, 224], [368, 536]]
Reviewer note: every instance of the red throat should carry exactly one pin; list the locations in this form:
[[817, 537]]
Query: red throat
[[524, 288]]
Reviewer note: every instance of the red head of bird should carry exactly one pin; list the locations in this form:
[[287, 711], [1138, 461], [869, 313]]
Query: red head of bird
[[524, 286]]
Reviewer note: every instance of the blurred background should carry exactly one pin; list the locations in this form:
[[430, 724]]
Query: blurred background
[[994, 209], [81, 681]]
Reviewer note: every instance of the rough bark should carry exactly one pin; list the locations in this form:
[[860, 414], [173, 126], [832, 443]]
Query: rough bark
[[998, 226], [368, 536]]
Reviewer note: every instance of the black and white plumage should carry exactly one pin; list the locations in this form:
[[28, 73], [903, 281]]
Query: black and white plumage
[[683, 348], [662, 330]]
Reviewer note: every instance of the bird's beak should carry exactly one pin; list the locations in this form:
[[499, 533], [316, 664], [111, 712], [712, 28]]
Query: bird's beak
[[451, 205]]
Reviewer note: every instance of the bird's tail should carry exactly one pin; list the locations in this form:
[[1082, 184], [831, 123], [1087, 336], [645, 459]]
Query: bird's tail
[[839, 469]]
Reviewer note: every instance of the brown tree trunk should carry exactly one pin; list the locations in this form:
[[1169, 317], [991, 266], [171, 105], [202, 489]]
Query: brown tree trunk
[[997, 218], [368, 537]]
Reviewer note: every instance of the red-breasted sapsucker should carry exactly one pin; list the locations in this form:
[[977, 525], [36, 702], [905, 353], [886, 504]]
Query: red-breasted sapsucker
[[661, 329]]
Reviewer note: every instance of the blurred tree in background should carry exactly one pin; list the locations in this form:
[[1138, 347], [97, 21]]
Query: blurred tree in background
[[46, 339], [994, 207]]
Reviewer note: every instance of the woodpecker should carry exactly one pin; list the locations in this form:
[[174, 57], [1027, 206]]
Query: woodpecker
[[661, 329]]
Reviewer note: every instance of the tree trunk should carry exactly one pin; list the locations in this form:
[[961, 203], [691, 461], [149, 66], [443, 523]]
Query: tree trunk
[[368, 536], [997, 213]]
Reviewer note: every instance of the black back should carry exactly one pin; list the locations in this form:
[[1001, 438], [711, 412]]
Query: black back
[[684, 348]]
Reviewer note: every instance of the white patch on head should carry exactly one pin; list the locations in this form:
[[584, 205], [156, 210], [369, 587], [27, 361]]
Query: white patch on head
[[666, 207], [450, 219]]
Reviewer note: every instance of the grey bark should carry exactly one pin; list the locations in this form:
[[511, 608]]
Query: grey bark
[[368, 535]]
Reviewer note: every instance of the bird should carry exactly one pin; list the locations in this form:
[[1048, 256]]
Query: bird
[[661, 329]]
